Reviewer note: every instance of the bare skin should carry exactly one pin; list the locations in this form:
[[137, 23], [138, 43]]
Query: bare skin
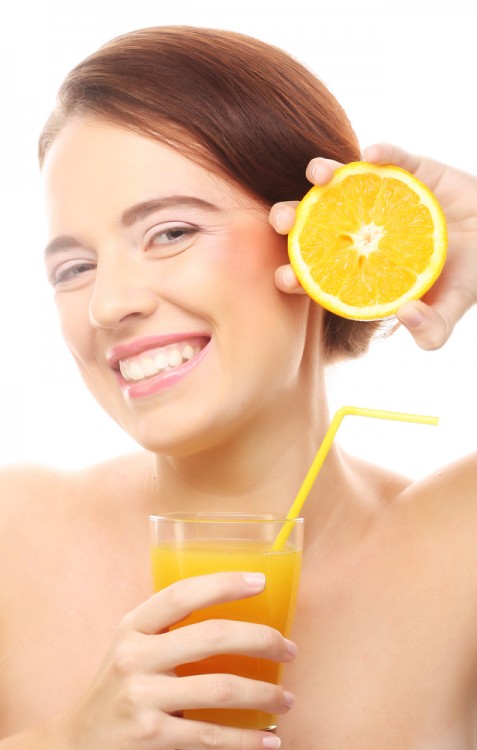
[[147, 248], [388, 662]]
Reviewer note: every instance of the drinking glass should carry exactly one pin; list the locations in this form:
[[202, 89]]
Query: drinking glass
[[183, 546]]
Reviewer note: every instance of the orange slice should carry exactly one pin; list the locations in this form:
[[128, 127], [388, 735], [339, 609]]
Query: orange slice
[[367, 241]]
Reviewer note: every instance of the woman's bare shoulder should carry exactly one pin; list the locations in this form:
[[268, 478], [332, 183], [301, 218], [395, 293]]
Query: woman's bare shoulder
[[446, 501], [24, 486], [456, 481], [32, 488]]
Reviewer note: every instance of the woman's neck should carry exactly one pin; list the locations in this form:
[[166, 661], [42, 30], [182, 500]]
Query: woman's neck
[[259, 470]]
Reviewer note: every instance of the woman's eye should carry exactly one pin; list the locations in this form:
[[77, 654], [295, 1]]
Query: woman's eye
[[171, 235], [71, 271]]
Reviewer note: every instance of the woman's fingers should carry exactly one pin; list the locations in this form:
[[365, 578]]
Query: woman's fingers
[[199, 641], [282, 216], [320, 171], [431, 320], [137, 699], [286, 281], [177, 601], [432, 326], [176, 694], [388, 153], [426, 325], [199, 735]]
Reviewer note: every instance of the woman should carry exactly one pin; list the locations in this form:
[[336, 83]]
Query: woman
[[161, 162]]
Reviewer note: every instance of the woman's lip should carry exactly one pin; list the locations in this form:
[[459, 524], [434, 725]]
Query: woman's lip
[[163, 380], [146, 343]]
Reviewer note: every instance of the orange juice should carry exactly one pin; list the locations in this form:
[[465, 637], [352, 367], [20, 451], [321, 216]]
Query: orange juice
[[274, 606]]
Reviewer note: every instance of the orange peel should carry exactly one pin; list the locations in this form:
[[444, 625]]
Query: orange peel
[[371, 239]]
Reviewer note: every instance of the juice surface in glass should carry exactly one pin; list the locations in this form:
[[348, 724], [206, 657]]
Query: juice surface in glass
[[274, 606]]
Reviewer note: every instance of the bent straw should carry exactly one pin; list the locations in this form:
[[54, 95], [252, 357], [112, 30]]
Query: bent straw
[[325, 446]]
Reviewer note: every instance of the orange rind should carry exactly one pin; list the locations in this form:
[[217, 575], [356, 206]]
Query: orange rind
[[371, 239]]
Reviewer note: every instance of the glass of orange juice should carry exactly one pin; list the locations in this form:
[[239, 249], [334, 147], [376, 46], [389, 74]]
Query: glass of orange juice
[[195, 544]]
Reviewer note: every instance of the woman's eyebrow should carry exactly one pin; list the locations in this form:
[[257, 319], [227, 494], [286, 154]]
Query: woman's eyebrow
[[63, 242], [141, 210], [135, 213]]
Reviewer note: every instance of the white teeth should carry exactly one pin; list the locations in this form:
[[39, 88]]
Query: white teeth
[[148, 366], [161, 361], [174, 358], [135, 371], [151, 363]]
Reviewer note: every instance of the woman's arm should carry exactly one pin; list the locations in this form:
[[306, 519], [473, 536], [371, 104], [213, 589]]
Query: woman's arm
[[50, 736]]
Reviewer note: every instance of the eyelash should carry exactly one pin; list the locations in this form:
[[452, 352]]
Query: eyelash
[[184, 230], [71, 270]]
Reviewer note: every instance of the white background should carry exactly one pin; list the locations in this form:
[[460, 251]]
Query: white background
[[404, 71]]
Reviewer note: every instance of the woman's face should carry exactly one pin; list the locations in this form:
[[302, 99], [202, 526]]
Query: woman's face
[[164, 280]]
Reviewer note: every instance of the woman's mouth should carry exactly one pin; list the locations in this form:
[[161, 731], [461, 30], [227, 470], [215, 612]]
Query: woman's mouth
[[149, 363]]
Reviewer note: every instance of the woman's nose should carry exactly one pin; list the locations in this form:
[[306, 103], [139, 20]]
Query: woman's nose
[[122, 291]]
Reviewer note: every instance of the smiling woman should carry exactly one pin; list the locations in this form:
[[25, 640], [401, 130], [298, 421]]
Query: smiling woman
[[157, 274], [172, 165], [250, 108]]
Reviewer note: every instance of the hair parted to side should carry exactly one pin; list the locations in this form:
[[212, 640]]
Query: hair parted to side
[[238, 106]]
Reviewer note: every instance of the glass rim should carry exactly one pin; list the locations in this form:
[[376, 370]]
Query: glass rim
[[224, 517]]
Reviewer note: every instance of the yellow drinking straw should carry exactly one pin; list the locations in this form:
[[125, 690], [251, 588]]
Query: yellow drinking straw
[[326, 445]]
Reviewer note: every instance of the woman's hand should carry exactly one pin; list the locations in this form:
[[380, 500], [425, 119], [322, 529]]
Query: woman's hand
[[432, 319], [136, 700]]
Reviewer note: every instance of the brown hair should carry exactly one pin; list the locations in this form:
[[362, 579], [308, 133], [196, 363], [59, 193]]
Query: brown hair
[[234, 104]]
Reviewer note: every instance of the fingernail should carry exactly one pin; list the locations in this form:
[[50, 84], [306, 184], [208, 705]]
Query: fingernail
[[254, 580], [411, 318], [291, 647], [314, 171], [279, 219], [271, 740], [288, 276], [319, 171], [289, 699]]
